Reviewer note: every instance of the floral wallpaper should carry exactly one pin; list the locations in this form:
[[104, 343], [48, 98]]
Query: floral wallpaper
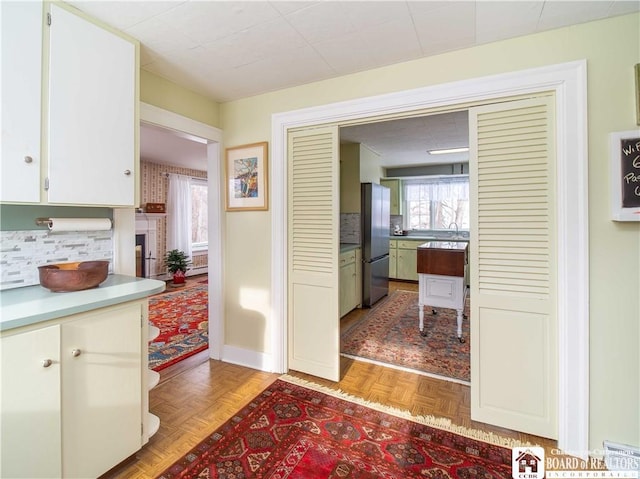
[[154, 190]]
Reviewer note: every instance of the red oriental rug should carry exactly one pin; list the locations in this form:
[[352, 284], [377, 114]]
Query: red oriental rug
[[183, 318], [390, 334], [295, 429]]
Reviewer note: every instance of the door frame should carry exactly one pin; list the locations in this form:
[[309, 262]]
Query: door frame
[[568, 81], [203, 133]]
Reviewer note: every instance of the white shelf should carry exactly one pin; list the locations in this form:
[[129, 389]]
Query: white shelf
[[153, 422], [154, 332], [153, 378]]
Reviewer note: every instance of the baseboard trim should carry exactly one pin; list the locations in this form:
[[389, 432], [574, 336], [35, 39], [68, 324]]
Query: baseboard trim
[[247, 358]]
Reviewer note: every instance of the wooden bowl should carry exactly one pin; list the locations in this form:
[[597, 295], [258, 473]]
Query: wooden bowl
[[67, 277]]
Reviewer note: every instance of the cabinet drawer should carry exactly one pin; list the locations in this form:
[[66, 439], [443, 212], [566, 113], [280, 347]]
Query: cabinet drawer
[[393, 244], [347, 258], [406, 244]]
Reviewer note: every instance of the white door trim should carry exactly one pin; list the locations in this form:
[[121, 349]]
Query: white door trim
[[198, 131], [569, 83]]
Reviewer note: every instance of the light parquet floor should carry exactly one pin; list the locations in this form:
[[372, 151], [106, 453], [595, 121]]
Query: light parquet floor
[[195, 398]]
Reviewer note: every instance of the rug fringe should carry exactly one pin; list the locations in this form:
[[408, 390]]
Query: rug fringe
[[441, 423]]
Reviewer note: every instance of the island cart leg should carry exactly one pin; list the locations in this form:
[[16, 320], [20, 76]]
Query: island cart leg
[[459, 318], [421, 316]]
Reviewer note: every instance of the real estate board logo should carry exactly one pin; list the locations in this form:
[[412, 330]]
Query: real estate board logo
[[527, 462]]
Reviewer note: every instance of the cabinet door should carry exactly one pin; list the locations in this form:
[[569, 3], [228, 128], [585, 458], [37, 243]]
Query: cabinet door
[[357, 303], [394, 195], [101, 356], [393, 258], [91, 114], [407, 263], [347, 288], [21, 101], [30, 398]]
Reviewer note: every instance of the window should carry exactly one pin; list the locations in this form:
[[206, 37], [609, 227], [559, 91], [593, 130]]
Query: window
[[436, 203], [199, 215]]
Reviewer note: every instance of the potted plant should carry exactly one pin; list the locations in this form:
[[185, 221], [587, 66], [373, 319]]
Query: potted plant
[[177, 264]]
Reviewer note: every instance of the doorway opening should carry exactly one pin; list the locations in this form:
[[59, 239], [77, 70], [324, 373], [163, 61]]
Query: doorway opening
[[210, 137], [568, 83], [429, 201]]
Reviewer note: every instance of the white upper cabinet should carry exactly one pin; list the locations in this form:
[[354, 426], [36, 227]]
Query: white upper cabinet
[[91, 141], [20, 162]]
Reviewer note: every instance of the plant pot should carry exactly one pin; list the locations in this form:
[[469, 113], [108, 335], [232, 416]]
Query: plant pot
[[178, 277]]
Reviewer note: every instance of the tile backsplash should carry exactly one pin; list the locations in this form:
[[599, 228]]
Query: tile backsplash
[[23, 251], [350, 228]]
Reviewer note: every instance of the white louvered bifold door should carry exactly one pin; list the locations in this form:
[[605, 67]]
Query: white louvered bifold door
[[513, 262], [313, 220]]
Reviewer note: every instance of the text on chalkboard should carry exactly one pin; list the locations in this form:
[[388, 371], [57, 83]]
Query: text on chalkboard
[[630, 157]]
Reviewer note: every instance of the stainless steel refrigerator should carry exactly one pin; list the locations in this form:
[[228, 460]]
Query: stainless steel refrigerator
[[375, 214]]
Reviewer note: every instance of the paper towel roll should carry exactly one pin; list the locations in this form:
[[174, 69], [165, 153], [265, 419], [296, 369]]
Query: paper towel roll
[[79, 224]]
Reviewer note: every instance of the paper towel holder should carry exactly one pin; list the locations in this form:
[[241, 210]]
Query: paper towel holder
[[49, 222]]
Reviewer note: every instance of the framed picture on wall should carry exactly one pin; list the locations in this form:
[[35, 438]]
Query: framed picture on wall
[[246, 173], [625, 175]]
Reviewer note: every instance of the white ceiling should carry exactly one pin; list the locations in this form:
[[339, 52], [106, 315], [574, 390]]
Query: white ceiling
[[226, 50], [406, 142]]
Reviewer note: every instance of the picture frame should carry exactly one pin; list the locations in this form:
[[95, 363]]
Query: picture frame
[[624, 160], [246, 177]]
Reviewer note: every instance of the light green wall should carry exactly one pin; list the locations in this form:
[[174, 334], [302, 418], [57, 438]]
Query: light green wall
[[611, 48], [165, 94]]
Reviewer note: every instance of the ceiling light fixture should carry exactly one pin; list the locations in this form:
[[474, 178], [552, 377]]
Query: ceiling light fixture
[[448, 150]]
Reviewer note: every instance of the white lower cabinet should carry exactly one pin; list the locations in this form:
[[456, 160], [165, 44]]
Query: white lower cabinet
[[74, 393], [30, 403]]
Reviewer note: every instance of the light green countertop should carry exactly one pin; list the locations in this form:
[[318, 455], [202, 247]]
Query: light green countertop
[[35, 304]]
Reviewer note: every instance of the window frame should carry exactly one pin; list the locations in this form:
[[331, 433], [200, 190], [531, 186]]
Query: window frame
[[201, 247], [432, 203]]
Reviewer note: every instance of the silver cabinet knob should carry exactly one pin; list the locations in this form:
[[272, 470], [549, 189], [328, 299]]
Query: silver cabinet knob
[[76, 352], [127, 172], [46, 363], [28, 159]]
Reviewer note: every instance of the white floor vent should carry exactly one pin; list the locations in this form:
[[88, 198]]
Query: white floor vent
[[621, 457]]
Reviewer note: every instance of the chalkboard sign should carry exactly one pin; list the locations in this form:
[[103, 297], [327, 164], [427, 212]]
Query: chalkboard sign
[[625, 175], [630, 166]]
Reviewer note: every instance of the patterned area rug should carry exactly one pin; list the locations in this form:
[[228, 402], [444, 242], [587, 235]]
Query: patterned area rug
[[390, 334], [295, 429], [182, 317]]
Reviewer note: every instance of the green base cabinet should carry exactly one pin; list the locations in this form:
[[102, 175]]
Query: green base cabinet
[[350, 281]]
